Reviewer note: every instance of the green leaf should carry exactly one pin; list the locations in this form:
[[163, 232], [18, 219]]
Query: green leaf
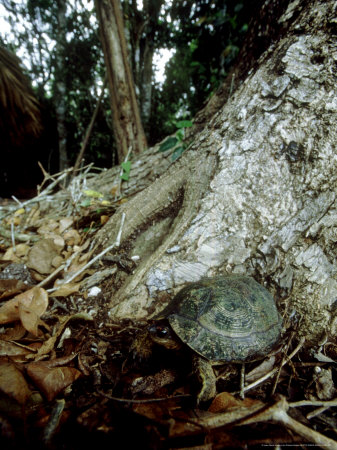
[[126, 166], [85, 203], [169, 143], [89, 229], [177, 153], [125, 176], [193, 45], [184, 124], [180, 135]]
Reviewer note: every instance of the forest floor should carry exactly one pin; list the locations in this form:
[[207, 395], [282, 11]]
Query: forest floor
[[70, 376]]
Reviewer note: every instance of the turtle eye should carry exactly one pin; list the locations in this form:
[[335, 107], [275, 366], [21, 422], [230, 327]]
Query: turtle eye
[[162, 332], [159, 331]]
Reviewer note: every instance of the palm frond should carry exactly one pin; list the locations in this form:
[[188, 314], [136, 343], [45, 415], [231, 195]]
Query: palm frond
[[19, 109]]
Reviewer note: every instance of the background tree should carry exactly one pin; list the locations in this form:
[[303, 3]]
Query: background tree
[[145, 33], [128, 129], [60, 82]]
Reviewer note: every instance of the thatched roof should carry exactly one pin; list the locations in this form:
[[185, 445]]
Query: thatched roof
[[19, 109]]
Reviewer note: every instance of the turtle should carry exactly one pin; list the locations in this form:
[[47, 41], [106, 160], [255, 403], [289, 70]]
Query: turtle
[[227, 319]]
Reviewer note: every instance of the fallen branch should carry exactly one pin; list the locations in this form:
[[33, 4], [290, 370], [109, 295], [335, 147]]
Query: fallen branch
[[277, 413]]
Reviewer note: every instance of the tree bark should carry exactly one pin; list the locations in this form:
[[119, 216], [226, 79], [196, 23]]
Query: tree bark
[[256, 191], [127, 126]]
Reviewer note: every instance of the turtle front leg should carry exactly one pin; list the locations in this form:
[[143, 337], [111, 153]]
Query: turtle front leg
[[205, 373]]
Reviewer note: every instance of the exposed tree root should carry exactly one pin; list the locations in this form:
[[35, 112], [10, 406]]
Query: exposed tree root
[[186, 182]]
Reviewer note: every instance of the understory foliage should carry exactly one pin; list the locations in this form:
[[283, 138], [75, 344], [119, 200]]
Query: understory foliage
[[204, 38]]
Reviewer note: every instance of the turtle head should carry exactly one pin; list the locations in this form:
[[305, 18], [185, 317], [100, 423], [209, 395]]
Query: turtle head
[[161, 333]]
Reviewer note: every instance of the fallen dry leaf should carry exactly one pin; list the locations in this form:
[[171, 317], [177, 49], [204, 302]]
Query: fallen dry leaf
[[104, 219], [11, 349], [41, 255], [225, 400], [12, 382], [72, 237], [50, 379], [67, 289], [65, 223], [8, 288], [19, 251], [11, 255], [162, 412], [48, 345], [14, 333], [57, 261], [28, 307], [29, 319], [48, 226]]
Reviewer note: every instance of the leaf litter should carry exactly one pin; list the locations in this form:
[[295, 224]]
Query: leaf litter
[[68, 373]]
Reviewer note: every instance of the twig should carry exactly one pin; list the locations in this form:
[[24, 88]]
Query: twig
[[13, 237], [323, 406], [63, 266], [281, 365], [41, 195], [56, 181], [326, 403], [97, 257], [89, 129], [316, 412], [17, 201], [18, 236], [51, 276], [242, 381], [272, 372], [118, 238]]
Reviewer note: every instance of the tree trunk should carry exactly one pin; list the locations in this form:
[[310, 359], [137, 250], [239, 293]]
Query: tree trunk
[[126, 120], [256, 191], [151, 9], [142, 26], [60, 84]]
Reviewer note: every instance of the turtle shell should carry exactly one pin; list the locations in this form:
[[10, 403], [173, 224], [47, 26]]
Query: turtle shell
[[230, 319]]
